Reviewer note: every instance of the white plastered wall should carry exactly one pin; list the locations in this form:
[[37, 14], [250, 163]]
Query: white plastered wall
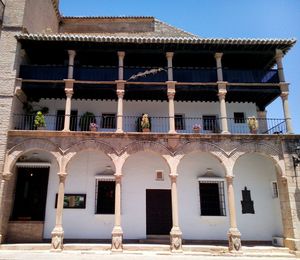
[[139, 174], [80, 223], [192, 224], [257, 172]]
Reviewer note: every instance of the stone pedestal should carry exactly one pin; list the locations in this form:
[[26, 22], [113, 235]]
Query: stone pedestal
[[117, 240], [176, 240], [234, 240], [57, 239]]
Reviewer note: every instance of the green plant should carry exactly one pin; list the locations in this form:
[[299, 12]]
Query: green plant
[[85, 120], [39, 120]]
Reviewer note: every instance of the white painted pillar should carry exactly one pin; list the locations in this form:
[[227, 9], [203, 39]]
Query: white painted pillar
[[234, 235], [175, 234], [72, 55], [169, 56], [171, 95], [121, 56], [69, 83], [284, 87], [278, 57], [120, 93], [58, 232], [218, 57], [117, 233], [223, 111]]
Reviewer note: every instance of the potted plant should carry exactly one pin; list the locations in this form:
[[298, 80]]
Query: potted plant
[[145, 123], [39, 121], [85, 120], [196, 128], [93, 127], [252, 124]]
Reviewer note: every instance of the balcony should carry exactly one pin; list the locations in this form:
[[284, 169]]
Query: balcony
[[192, 75], [131, 124]]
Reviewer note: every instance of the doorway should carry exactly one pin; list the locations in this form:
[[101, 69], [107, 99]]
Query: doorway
[[158, 212]]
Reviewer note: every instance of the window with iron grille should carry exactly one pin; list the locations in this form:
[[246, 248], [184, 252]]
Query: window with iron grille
[[239, 118], [212, 198], [105, 197], [108, 121], [179, 122], [210, 123]]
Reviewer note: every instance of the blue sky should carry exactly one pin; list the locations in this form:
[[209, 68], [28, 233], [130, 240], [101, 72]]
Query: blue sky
[[217, 19]]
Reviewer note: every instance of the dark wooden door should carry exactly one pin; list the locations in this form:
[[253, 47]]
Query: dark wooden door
[[158, 212], [31, 194]]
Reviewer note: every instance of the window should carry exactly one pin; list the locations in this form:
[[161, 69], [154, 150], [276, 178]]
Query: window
[[247, 203], [108, 121], [239, 118], [274, 189], [179, 122], [105, 197], [210, 123], [212, 199]]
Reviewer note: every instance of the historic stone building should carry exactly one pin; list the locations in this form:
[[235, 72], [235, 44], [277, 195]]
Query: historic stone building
[[148, 131]]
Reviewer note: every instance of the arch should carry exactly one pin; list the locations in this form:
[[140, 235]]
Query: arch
[[147, 146], [90, 145], [32, 144], [262, 148]]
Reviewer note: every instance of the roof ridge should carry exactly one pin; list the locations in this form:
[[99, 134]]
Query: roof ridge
[[108, 17]]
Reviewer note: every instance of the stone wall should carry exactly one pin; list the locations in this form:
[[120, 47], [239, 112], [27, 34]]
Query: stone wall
[[25, 231]]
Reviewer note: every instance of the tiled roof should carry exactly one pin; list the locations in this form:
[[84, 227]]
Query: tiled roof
[[105, 17]]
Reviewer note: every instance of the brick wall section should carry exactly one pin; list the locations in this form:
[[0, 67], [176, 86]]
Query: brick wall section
[[25, 231]]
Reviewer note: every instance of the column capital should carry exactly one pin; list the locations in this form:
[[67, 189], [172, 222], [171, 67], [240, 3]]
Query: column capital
[[229, 178], [278, 54], [120, 84], [222, 94], [169, 55], [62, 176], [218, 55], [284, 95], [72, 53], [69, 92], [284, 87], [173, 176], [171, 84], [69, 83], [121, 54], [6, 176], [120, 93]]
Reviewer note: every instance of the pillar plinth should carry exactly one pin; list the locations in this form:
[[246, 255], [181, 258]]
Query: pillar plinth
[[58, 233], [175, 234]]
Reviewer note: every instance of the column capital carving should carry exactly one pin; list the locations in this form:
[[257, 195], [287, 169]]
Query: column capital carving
[[278, 54], [229, 178], [222, 94], [62, 176], [284, 87], [120, 84], [120, 93], [218, 55], [121, 54], [169, 55], [72, 53], [171, 94], [284, 95], [69, 83], [171, 84], [6, 176], [173, 176], [69, 92]]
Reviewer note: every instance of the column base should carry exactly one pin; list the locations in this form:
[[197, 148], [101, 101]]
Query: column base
[[119, 131], [172, 132], [176, 240], [57, 240], [234, 240], [66, 130], [225, 132], [117, 239]]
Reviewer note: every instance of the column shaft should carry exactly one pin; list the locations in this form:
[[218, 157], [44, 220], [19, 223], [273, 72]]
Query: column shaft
[[69, 83], [171, 95], [278, 57], [120, 94], [169, 56], [223, 110], [284, 87], [218, 57], [72, 54], [121, 55]]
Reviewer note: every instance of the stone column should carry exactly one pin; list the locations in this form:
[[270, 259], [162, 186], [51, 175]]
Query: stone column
[[171, 95], [175, 234], [120, 93], [121, 55], [117, 233], [3, 190], [169, 56], [278, 57], [223, 112], [69, 83], [234, 235], [58, 232], [262, 122], [72, 55], [218, 57], [284, 87]]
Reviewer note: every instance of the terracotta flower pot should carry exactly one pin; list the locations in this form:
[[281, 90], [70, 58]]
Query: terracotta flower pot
[[196, 130], [93, 129], [146, 130]]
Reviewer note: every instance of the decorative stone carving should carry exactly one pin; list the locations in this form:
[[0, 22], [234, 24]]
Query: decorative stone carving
[[176, 240], [57, 240], [117, 240], [234, 239]]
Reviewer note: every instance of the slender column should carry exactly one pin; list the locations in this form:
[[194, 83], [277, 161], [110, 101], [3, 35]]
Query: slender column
[[175, 234], [234, 235], [58, 232], [121, 55], [69, 83], [72, 55], [117, 233], [262, 121], [218, 57], [3, 184], [169, 56], [171, 95], [284, 87], [278, 57], [120, 93], [223, 112]]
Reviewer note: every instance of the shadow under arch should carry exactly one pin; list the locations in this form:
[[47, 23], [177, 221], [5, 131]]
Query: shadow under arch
[[146, 146], [89, 145], [18, 150], [204, 147]]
